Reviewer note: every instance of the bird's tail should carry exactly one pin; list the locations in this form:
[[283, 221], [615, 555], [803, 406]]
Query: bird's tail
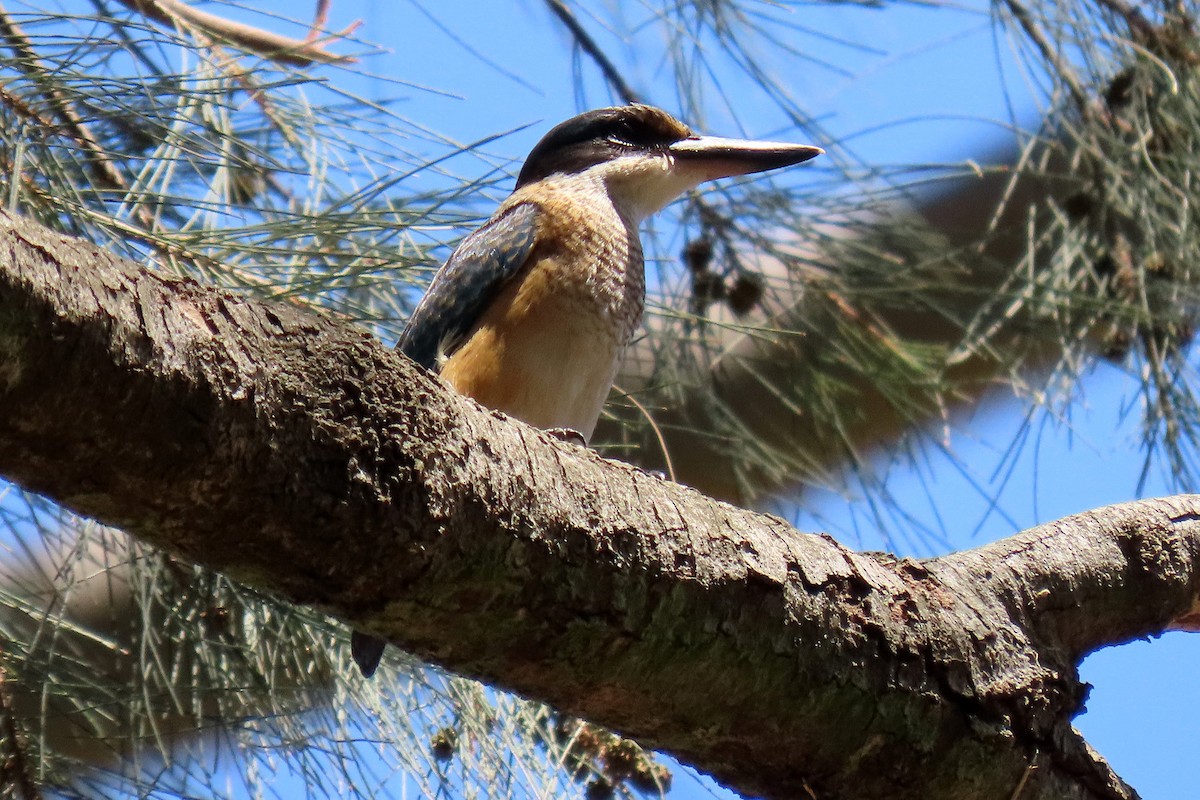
[[367, 651]]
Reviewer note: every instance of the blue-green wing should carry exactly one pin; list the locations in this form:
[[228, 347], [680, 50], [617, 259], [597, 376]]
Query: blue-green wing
[[466, 283]]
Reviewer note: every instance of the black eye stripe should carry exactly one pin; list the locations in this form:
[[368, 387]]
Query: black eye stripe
[[620, 132], [643, 136], [596, 135]]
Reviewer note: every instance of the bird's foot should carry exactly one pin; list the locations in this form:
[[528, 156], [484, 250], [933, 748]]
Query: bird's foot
[[568, 435]]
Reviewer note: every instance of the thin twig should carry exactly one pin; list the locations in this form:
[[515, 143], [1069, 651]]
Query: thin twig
[[589, 46], [15, 770], [104, 172], [1138, 24], [320, 19], [1025, 777], [275, 46], [1025, 20], [662, 441], [24, 110]]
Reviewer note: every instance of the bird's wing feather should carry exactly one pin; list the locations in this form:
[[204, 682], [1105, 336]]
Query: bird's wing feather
[[474, 273]]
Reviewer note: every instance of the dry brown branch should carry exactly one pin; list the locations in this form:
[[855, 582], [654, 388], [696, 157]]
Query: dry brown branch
[[275, 46], [320, 20]]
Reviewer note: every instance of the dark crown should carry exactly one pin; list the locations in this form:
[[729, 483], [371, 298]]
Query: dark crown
[[600, 135]]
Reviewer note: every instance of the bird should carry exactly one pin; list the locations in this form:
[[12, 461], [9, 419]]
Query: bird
[[532, 312]]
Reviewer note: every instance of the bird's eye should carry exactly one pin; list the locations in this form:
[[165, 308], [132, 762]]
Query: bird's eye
[[625, 135], [636, 137]]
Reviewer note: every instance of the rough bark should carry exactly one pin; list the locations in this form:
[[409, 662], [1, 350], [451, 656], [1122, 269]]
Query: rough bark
[[299, 455]]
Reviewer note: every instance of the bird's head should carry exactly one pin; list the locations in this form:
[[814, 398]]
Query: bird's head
[[645, 158]]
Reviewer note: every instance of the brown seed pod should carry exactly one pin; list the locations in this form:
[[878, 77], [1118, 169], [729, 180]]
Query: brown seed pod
[[443, 744], [745, 293], [698, 254], [598, 789]]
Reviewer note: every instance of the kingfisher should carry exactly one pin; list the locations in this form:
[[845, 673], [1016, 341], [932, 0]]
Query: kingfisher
[[532, 312]]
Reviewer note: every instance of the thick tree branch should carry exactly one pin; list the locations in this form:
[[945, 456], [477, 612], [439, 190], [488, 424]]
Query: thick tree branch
[[299, 455], [1095, 579]]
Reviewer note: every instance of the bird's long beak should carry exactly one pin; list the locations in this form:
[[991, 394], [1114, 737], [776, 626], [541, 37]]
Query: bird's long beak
[[712, 157]]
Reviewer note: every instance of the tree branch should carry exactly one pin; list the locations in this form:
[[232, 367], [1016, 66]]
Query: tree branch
[[588, 45], [299, 455], [1095, 579], [275, 46]]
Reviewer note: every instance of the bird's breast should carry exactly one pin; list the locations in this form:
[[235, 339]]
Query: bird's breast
[[547, 348], [591, 256]]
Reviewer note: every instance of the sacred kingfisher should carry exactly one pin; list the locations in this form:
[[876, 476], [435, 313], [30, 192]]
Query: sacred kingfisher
[[532, 312]]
